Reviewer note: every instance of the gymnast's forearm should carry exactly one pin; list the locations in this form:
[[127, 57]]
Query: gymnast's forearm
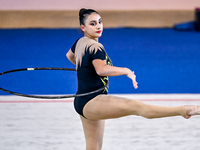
[[107, 70]]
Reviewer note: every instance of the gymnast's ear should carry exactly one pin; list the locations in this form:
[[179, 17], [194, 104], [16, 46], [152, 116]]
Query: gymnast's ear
[[83, 28]]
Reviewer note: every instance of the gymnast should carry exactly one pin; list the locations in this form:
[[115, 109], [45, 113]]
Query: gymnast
[[93, 68]]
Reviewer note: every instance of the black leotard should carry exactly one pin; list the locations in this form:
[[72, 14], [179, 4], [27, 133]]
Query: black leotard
[[85, 51]]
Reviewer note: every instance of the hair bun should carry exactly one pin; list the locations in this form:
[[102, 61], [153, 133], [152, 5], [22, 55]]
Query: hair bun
[[81, 12]]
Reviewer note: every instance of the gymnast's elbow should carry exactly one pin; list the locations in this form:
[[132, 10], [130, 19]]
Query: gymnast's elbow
[[70, 57]]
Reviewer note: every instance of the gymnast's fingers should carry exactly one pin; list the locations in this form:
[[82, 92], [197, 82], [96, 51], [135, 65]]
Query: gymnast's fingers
[[132, 76], [135, 84]]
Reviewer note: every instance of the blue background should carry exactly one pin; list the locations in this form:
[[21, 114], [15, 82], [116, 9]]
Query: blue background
[[164, 60]]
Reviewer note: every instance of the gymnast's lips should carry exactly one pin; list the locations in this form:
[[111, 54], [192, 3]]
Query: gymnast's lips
[[98, 32]]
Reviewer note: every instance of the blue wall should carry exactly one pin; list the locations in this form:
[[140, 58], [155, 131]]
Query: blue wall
[[164, 60]]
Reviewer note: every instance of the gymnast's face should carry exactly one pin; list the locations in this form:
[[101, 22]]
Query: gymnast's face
[[93, 27]]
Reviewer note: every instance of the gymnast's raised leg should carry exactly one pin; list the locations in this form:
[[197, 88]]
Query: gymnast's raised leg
[[108, 106]]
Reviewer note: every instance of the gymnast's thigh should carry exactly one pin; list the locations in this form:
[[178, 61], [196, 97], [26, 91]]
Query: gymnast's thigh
[[109, 106], [80, 102]]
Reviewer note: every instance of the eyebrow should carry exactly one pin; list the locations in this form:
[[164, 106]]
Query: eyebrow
[[95, 20]]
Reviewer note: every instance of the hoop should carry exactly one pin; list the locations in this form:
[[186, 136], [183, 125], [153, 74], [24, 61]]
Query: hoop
[[47, 97]]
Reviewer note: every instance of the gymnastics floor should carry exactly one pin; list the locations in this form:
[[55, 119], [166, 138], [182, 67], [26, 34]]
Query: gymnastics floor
[[31, 124]]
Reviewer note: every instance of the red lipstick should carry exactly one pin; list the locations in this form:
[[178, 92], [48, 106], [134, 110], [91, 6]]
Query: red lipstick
[[98, 31]]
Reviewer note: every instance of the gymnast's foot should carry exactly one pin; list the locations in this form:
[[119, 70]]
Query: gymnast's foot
[[191, 110]]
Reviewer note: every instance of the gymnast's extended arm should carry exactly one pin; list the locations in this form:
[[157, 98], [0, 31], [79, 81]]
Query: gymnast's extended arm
[[103, 69]]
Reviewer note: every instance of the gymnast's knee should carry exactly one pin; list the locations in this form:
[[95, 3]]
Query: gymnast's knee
[[139, 108], [145, 111], [130, 107]]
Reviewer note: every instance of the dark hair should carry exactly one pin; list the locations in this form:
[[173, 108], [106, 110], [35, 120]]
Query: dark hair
[[83, 13]]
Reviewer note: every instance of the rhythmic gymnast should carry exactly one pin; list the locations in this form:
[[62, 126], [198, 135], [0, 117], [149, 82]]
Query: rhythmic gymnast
[[93, 68]]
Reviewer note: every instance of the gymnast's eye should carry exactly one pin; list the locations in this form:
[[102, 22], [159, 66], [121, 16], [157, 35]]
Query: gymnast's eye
[[92, 23], [100, 21]]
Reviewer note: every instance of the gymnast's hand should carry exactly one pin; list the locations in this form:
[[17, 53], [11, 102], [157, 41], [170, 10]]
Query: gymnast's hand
[[132, 76]]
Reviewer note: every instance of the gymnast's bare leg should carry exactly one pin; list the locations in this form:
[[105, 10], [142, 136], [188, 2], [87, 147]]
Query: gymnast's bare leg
[[93, 131], [108, 106]]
